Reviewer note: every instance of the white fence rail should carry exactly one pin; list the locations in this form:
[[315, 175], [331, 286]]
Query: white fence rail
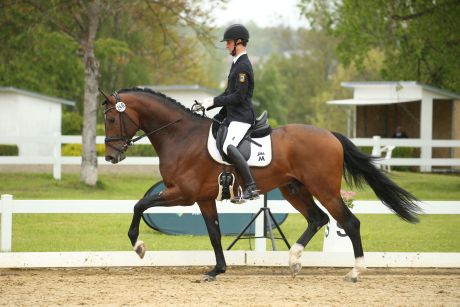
[[260, 256], [376, 143]]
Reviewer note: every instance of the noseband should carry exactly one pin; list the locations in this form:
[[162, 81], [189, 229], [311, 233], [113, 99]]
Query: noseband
[[121, 107]]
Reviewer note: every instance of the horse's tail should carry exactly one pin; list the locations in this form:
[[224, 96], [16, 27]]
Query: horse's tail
[[359, 167]]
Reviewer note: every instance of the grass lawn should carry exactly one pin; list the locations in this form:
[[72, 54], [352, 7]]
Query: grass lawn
[[96, 232]]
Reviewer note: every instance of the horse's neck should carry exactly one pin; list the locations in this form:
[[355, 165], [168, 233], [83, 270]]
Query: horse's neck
[[175, 126]]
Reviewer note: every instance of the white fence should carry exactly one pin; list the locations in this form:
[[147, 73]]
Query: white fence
[[377, 143], [260, 256]]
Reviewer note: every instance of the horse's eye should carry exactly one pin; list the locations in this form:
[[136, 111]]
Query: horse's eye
[[111, 120]]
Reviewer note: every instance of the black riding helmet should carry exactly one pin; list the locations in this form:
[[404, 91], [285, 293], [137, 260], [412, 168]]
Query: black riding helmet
[[236, 31]]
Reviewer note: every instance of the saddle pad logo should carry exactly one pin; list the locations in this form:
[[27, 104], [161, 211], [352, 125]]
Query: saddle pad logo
[[261, 156]]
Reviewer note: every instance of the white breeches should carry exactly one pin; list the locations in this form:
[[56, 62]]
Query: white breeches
[[235, 133]]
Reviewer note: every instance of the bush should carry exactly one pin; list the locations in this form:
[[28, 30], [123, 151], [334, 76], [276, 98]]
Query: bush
[[9, 150], [72, 123], [74, 150], [134, 151]]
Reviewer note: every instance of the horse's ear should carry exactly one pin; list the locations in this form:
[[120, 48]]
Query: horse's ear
[[105, 96]]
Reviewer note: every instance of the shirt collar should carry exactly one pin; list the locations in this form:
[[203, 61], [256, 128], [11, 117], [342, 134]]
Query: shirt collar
[[238, 56]]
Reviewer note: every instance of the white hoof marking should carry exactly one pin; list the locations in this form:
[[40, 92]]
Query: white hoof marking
[[295, 254], [358, 269]]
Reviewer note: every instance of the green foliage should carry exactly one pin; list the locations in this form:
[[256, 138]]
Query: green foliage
[[9, 150], [72, 123], [39, 60], [269, 92], [419, 39]]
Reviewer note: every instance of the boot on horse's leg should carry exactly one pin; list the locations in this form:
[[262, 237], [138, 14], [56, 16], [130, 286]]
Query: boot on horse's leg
[[250, 192]]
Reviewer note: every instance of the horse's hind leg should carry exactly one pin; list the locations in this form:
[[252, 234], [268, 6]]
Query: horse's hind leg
[[296, 194], [342, 214]]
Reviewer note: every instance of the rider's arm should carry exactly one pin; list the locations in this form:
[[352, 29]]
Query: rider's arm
[[240, 88]]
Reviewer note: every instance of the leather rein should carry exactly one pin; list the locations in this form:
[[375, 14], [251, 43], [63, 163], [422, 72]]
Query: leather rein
[[121, 107]]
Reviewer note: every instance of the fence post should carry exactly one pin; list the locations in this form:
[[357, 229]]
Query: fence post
[[57, 160], [7, 222], [376, 148], [259, 231]]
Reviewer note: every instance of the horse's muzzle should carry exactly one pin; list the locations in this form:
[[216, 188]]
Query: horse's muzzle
[[115, 159]]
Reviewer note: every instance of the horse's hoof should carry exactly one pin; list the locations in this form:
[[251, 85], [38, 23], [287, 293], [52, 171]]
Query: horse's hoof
[[350, 279], [208, 278], [352, 276], [139, 248], [295, 269]]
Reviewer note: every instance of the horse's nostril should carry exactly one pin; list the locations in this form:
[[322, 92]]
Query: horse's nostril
[[108, 158]]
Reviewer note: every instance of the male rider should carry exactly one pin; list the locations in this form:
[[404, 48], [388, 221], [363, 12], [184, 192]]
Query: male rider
[[236, 103]]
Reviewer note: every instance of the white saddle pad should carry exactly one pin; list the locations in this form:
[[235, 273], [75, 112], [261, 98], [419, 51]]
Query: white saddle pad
[[260, 156]]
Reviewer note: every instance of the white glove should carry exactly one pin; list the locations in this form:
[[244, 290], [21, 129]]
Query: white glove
[[207, 102]]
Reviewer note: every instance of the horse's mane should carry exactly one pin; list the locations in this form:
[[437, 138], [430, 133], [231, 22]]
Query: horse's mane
[[162, 98]]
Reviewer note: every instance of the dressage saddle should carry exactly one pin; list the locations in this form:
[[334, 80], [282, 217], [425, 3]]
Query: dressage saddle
[[260, 129]]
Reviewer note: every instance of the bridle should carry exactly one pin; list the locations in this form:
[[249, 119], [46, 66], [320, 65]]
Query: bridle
[[121, 107]]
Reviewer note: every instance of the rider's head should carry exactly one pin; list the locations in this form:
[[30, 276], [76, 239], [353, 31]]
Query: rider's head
[[236, 36]]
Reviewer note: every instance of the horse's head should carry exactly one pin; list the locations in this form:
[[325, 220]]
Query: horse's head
[[121, 124]]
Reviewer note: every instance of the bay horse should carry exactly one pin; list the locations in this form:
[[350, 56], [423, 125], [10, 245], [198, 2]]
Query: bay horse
[[308, 162]]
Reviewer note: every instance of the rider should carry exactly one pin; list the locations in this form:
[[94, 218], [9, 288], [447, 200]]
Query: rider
[[236, 103]]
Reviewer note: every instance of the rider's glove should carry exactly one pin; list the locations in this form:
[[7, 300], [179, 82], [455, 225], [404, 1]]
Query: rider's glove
[[207, 103]]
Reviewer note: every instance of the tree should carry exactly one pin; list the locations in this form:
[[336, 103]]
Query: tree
[[82, 23], [419, 39]]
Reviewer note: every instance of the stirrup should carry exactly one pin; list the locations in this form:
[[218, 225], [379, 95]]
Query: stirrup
[[238, 199]]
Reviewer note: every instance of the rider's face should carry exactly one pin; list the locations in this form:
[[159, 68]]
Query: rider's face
[[230, 45]]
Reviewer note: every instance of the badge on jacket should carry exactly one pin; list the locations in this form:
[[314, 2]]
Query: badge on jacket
[[242, 77]]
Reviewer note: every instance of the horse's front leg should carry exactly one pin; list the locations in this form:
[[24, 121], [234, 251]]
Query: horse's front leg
[[158, 200], [209, 211]]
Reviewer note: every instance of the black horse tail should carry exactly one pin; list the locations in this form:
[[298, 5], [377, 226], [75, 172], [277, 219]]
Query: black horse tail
[[359, 167]]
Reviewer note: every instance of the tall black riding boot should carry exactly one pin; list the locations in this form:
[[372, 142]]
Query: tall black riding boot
[[250, 192]]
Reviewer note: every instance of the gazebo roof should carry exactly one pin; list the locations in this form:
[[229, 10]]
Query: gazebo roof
[[391, 92]]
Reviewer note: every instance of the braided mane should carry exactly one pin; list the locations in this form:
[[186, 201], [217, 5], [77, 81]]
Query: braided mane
[[162, 98]]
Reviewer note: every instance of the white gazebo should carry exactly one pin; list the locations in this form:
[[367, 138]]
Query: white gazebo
[[379, 107], [28, 119]]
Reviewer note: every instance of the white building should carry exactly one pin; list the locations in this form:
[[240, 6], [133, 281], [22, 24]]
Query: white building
[[28, 119]]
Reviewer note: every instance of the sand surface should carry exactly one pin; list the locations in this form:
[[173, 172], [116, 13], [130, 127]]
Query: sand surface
[[243, 286]]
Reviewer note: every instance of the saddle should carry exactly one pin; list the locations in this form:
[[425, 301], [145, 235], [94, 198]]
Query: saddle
[[255, 146]]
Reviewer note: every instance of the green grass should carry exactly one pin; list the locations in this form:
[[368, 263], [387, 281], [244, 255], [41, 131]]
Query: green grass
[[133, 186], [87, 232], [43, 186], [423, 186], [102, 232]]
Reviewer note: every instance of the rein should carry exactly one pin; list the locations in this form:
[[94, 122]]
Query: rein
[[121, 107]]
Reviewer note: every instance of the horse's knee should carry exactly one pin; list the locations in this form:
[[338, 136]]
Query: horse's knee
[[137, 208]]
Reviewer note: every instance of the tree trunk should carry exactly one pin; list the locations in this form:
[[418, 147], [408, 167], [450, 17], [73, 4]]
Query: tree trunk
[[88, 171]]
